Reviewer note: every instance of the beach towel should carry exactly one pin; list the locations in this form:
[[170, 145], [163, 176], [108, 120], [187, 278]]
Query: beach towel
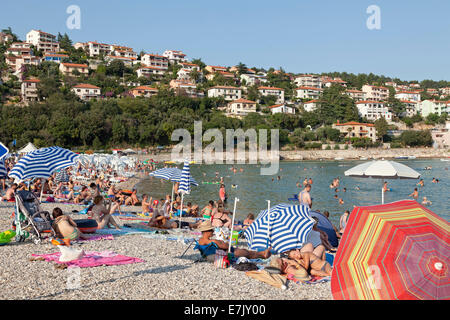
[[275, 280], [90, 259], [123, 231], [314, 280]]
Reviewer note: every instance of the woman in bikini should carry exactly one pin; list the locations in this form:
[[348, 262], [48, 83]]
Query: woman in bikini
[[312, 263], [101, 214], [221, 219]]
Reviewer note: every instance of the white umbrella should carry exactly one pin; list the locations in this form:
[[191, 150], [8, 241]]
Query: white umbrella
[[382, 169]]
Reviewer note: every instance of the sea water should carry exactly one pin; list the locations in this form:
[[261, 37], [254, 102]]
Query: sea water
[[253, 189]]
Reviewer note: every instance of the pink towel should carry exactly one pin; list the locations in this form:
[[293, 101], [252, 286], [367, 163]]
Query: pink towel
[[98, 237], [92, 259]]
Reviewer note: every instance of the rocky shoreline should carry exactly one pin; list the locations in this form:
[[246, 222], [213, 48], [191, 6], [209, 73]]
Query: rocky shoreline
[[351, 154]]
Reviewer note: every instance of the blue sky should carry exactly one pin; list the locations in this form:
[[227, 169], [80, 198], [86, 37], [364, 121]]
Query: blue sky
[[300, 35]]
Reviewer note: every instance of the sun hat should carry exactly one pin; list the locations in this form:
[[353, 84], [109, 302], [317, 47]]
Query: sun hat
[[205, 226]]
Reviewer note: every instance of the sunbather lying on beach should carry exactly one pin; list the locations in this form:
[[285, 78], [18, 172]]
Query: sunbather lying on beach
[[207, 231], [312, 263]]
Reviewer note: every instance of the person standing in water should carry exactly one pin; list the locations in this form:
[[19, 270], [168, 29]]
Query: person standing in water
[[415, 194], [304, 197]]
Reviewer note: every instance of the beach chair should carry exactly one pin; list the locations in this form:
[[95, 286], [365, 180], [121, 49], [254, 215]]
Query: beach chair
[[199, 248]]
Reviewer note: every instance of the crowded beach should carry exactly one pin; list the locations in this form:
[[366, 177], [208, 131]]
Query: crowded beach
[[85, 233]]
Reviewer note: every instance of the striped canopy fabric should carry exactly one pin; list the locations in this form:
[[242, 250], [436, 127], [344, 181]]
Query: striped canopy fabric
[[42, 163], [284, 228], [62, 176], [394, 251], [185, 186], [3, 171], [172, 174]]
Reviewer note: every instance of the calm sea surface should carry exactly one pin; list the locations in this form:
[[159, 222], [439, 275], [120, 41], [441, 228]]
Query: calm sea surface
[[254, 189]]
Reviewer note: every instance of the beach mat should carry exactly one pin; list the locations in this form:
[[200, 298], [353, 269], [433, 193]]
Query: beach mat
[[123, 231], [91, 259]]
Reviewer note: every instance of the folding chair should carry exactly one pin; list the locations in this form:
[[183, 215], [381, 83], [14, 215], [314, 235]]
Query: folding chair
[[197, 247]]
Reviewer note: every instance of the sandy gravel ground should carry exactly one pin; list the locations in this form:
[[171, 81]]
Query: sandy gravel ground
[[163, 275]]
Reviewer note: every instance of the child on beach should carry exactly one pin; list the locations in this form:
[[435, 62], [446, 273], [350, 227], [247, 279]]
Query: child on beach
[[65, 227]]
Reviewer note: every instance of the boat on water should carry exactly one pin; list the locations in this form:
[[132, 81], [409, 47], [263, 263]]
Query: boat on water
[[401, 158], [363, 158], [444, 159], [338, 158]]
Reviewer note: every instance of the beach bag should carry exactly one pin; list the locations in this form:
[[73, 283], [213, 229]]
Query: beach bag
[[70, 254], [221, 259]]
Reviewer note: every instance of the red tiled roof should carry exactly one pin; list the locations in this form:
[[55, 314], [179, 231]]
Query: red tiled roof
[[145, 88], [32, 80], [354, 123], [225, 87], [76, 65], [86, 86], [242, 101], [270, 88], [368, 101], [309, 88]]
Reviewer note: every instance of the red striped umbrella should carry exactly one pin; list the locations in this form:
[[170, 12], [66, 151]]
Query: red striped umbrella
[[399, 250]]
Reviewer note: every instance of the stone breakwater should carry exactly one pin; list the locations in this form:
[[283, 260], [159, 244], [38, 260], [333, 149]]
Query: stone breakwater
[[292, 155]]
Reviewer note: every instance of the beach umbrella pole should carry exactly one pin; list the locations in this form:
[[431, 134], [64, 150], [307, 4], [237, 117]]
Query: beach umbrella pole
[[232, 223], [42, 189], [268, 224], [171, 201], [181, 209], [382, 191]]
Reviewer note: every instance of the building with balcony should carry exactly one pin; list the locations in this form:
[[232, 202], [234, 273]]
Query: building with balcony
[[427, 107], [281, 108], [174, 56], [373, 110], [356, 130], [150, 71], [143, 91], [312, 93], [240, 108], [155, 60], [227, 92], [375, 93], [272, 91], [29, 90], [86, 91], [308, 80], [72, 68]]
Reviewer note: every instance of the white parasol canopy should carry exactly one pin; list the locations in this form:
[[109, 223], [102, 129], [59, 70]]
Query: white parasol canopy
[[28, 148], [382, 169]]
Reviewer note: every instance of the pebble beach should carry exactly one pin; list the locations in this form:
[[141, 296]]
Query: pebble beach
[[162, 276]]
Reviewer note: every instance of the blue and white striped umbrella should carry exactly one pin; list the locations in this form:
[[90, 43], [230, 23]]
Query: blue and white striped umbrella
[[42, 163], [62, 176], [185, 186], [284, 228], [172, 174], [3, 171]]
